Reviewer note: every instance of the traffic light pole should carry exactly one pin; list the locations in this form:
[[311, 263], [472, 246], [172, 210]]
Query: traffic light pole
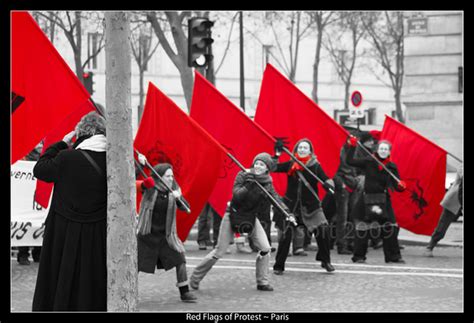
[[242, 87]]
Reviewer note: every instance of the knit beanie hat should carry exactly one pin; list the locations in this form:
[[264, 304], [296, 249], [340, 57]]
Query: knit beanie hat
[[267, 159]]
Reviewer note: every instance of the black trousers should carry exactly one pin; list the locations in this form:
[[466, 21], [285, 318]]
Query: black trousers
[[321, 235], [389, 235]]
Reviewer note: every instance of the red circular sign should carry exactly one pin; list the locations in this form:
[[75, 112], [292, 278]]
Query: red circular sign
[[356, 98]]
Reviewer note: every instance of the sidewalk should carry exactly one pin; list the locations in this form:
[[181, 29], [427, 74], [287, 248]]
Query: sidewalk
[[453, 238]]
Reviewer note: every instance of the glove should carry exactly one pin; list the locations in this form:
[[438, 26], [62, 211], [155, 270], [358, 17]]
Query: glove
[[352, 141], [402, 185], [279, 145], [142, 159], [249, 177], [292, 219], [328, 185], [149, 182]]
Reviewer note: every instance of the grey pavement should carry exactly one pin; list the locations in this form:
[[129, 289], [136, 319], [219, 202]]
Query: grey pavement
[[421, 285]]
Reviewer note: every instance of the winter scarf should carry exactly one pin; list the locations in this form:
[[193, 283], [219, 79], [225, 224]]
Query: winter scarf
[[309, 161], [95, 143], [146, 213], [384, 161]]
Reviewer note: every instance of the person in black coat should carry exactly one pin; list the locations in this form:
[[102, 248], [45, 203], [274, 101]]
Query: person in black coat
[[158, 243], [304, 204], [72, 273], [374, 208]]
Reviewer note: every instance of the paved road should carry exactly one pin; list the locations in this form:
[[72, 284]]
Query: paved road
[[421, 285]]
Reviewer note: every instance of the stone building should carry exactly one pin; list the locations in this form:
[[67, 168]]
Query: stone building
[[433, 85]]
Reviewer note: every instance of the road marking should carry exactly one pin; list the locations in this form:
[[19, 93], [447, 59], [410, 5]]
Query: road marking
[[381, 273], [345, 265]]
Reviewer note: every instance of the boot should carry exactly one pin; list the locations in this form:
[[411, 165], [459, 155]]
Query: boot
[[186, 295]]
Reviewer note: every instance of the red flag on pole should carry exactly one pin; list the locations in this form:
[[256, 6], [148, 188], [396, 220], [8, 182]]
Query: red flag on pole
[[284, 111], [44, 89], [43, 189], [168, 134], [233, 129], [422, 165]]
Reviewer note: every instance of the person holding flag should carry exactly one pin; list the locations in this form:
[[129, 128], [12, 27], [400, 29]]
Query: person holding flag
[[374, 209], [241, 216], [158, 243], [302, 199]]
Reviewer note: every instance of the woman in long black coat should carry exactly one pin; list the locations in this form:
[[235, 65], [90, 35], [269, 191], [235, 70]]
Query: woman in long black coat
[[302, 202], [374, 207], [158, 243], [72, 274]]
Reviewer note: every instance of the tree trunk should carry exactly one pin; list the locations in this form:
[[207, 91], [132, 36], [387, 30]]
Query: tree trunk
[[346, 96], [187, 82], [141, 95], [78, 49], [317, 59], [122, 274], [398, 106]]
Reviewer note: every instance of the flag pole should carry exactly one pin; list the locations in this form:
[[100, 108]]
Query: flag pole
[[378, 161], [272, 199], [305, 168], [180, 200], [456, 158]]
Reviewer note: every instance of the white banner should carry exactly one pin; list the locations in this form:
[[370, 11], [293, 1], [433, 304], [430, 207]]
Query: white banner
[[27, 217]]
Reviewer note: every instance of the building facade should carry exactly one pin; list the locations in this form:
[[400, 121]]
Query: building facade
[[433, 85]]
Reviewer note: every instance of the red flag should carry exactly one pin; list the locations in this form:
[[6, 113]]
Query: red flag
[[422, 165], [43, 189], [233, 129], [167, 134], [44, 89], [284, 111]]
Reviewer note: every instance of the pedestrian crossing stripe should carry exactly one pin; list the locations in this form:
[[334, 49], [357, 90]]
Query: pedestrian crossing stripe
[[381, 273]]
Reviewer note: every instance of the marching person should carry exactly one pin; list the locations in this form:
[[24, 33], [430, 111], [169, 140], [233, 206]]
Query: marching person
[[374, 209], [302, 199], [452, 209], [346, 182], [72, 274], [158, 243], [241, 216]]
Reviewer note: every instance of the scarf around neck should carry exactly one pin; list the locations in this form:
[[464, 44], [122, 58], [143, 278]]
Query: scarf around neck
[[308, 161], [262, 178], [384, 161], [146, 214], [95, 143]]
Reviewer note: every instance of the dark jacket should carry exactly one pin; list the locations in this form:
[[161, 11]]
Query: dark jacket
[[248, 198], [294, 183], [153, 249], [346, 173], [376, 181], [72, 274]]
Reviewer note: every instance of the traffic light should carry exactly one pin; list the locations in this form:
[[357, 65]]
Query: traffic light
[[199, 42], [88, 81]]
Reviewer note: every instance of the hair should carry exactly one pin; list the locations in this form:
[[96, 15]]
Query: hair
[[295, 149], [384, 142], [90, 124]]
